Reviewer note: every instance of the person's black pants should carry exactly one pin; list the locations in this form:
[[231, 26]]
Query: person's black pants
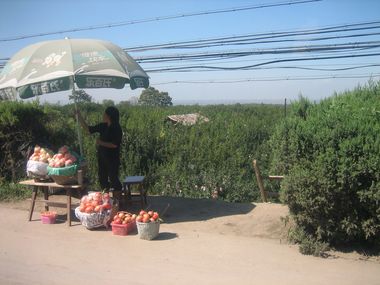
[[108, 172]]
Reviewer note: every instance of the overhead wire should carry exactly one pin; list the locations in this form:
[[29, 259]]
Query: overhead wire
[[250, 67], [264, 79], [161, 18], [259, 36], [242, 39], [362, 66], [277, 50], [317, 52]]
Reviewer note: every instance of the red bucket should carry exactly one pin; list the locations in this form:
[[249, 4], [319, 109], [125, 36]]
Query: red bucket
[[48, 217], [123, 230]]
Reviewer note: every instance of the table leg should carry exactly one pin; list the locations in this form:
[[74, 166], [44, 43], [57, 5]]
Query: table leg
[[68, 193], [46, 197], [129, 194], [34, 195], [141, 196], [144, 193]]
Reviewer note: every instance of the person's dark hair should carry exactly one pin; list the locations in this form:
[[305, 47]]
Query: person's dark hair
[[113, 113]]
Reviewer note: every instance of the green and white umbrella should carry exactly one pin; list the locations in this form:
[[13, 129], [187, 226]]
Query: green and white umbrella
[[53, 66], [59, 65]]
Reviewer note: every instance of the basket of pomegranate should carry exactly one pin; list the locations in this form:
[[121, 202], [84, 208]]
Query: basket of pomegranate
[[63, 167], [38, 162], [96, 210], [148, 224], [123, 223]]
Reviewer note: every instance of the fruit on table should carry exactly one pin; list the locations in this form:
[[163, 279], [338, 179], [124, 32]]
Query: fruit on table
[[62, 158], [41, 154], [123, 218], [147, 217], [95, 203], [63, 150]]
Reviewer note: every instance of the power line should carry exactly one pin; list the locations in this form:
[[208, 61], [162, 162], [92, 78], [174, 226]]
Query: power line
[[255, 42], [162, 18], [196, 68], [244, 53], [363, 66], [223, 55], [260, 36], [265, 79]]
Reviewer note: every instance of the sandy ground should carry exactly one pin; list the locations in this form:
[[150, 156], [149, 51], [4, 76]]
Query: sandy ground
[[201, 242]]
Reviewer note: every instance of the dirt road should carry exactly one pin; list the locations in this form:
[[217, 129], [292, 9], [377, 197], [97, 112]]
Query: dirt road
[[213, 243]]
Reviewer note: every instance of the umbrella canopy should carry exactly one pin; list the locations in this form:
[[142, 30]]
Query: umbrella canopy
[[54, 66]]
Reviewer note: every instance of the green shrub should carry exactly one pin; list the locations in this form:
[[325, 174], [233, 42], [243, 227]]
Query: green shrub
[[20, 126], [308, 244], [332, 161], [204, 160], [13, 191]]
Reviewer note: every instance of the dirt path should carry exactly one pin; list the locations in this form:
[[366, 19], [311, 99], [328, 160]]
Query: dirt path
[[202, 242]]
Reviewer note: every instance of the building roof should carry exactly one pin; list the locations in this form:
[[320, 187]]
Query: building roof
[[188, 119]]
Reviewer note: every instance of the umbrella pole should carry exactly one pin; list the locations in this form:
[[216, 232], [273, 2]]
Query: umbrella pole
[[77, 119]]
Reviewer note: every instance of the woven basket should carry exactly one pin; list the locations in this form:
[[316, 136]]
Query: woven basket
[[97, 220], [64, 180], [70, 180], [148, 231]]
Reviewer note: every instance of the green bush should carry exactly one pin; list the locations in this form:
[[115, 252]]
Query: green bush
[[13, 191], [20, 125], [204, 160], [308, 245], [331, 156]]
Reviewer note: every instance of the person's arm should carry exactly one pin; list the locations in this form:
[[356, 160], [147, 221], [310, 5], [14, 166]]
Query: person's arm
[[116, 139], [105, 144], [82, 122]]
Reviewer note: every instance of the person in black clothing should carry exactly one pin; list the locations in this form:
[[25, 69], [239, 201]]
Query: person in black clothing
[[108, 149]]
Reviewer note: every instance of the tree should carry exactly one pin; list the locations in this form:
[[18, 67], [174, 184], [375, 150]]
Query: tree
[[153, 97], [123, 104], [133, 100], [80, 96], [108, 102]]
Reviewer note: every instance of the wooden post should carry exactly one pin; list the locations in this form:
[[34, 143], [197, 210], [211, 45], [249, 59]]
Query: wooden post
[[68, 206], [46, 196], [141, 195], [33, 202], [286, 150], [260, 181]]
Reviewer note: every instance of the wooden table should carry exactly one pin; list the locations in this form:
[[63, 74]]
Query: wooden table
[[44, 188]]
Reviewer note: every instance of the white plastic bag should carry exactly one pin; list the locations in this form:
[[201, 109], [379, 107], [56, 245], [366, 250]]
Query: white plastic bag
[[94, 220], [36, 168]]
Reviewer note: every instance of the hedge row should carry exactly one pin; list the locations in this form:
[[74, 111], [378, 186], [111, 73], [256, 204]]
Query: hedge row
[[331, 154], [210, 159]]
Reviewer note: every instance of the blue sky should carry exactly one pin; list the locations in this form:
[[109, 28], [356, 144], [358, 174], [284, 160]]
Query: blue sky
[[24, 17]]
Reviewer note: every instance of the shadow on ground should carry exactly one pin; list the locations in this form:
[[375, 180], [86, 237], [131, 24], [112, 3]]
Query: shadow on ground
[[175, 209], [364, 250], [171, 209]]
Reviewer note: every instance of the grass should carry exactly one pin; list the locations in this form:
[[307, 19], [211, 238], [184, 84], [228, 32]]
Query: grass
[[13, 192]]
